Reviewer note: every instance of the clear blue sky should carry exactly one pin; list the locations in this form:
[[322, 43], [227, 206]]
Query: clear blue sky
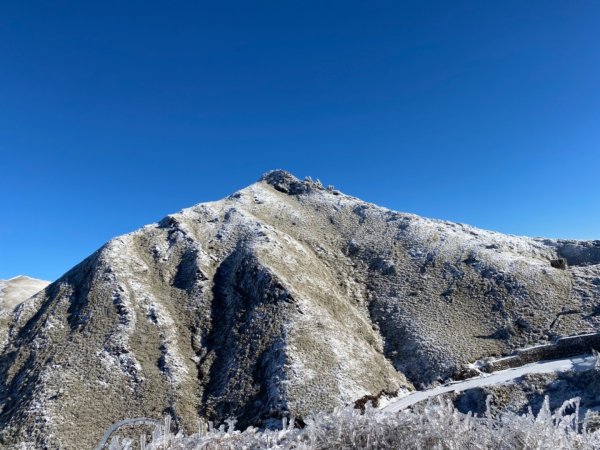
[[116, 113]]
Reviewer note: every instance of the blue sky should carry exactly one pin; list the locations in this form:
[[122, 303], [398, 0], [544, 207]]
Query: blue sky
[[116, 113]]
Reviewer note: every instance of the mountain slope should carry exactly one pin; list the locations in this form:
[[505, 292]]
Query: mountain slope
[[280, 299]]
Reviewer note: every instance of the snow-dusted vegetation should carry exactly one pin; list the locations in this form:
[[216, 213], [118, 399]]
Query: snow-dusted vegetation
[[437, 425]]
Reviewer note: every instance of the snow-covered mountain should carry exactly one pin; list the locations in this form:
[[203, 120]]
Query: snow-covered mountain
[[19, 288], [13, 292], [283, 298]]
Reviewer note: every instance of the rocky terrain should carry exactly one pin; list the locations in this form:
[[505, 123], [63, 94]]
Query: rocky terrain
[[283, 298], [13, 292]]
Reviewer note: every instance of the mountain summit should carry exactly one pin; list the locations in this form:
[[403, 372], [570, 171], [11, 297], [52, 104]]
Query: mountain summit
[[282, 298]]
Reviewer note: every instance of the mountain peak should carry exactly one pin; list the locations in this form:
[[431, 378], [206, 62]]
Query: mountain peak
[[284, 181], [276, 174]]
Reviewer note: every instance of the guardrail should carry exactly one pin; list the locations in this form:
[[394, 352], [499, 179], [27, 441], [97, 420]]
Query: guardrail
[[114, 427], [561, 348]]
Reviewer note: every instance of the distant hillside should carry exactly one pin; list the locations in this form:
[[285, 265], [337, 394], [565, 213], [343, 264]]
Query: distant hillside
[[13, 292], [283, 298]]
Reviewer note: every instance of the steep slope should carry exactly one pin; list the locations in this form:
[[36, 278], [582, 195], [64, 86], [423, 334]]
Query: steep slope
[[13, 292], [280, 299]]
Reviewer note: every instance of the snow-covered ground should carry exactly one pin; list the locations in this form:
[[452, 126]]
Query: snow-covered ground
[[576, 363]]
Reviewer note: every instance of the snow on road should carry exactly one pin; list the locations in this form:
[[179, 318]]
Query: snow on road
[[577, 363]]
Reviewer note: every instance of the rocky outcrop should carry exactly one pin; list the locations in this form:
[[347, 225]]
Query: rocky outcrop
[[282, 298], [579, 253]]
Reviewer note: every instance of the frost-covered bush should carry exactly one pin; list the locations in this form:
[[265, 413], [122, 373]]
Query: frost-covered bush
[[437, 426]]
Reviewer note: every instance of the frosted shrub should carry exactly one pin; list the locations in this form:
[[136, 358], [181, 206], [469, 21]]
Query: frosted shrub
[[437, 426]]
